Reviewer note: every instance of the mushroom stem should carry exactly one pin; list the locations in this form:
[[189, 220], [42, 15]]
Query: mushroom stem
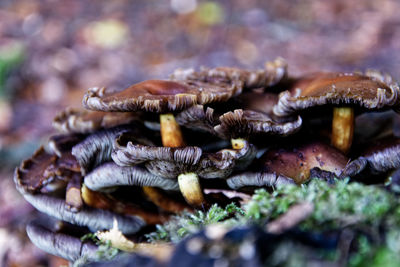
[[103, 201], [171, 134], [342, 128], [189, 183], [163, 201], [238, 143], [73, 197], [190, 188]]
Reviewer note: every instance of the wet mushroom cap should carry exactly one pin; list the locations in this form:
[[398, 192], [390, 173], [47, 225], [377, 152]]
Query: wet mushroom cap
[[159, 96], [84, 121], [337, 89], [297, 162]]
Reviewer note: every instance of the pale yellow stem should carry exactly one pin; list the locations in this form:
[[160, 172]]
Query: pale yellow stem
[[190, 188], [342, 128], [171, 136]]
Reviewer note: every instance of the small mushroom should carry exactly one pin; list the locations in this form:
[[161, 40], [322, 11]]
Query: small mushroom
[[59, 244], [110, 175], [84, 121], [344, 91], [173, 162], [169, 162], [296, 162]]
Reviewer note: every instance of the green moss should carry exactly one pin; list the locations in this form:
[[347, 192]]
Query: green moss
[[353, 206]]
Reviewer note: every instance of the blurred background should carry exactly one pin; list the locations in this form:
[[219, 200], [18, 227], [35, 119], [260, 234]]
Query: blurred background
[[52, 51]]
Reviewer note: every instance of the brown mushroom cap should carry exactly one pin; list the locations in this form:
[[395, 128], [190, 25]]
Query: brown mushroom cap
[[170, 162], [244, 123], [256, 117], [159, 96], [297, 162], [198, 117], [383, 155], [274, 71], [369, 91], [43, 168], [84, 121]]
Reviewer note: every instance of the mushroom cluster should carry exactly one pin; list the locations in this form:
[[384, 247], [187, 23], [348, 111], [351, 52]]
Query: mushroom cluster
[[137, 156]]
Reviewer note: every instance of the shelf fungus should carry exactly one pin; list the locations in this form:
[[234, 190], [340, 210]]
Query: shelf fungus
[[381, 156], [85, 121], [345, 92]]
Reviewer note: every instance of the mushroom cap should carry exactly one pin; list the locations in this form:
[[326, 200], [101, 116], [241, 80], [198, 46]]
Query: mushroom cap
[[169, 162], [244, 123], [274, 71], [61, 245], [110, 175], [44, 168], [95, 219], [159, 96], [369, 91], [198, 117], [84, 121], [383, 155], [296, 162], [254, 118], [96, 148], [259, 179]]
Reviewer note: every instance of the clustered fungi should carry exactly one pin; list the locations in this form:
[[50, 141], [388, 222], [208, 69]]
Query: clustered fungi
[[117, 162]]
